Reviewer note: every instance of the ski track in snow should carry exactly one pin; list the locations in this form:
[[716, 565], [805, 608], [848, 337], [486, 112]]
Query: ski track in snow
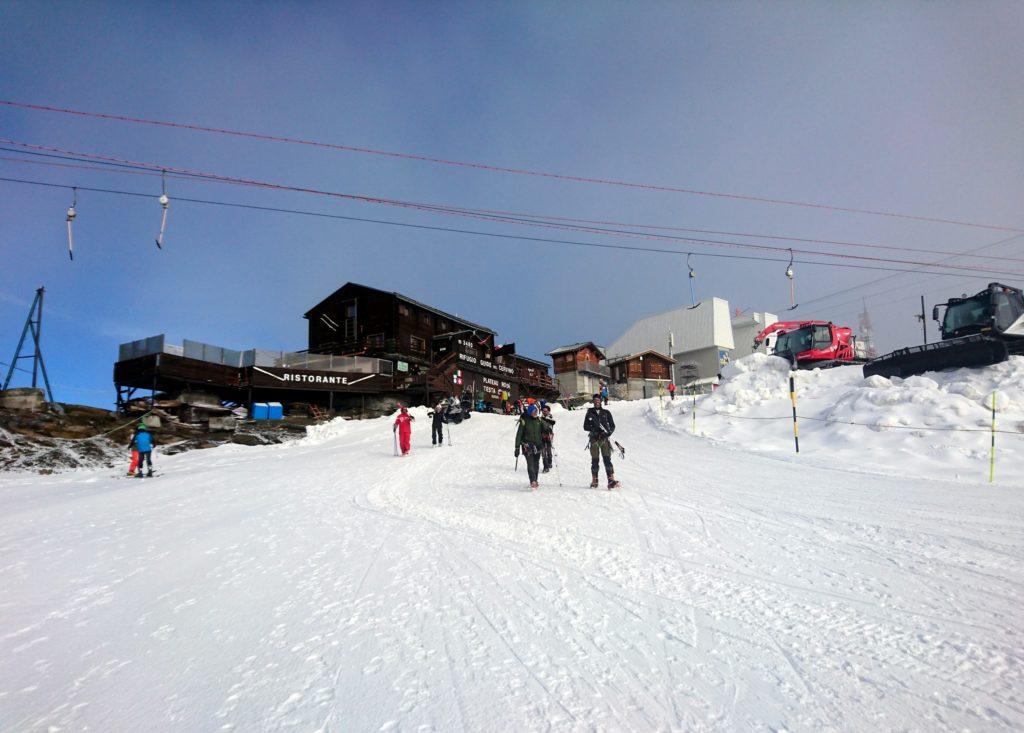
[[326, 585]]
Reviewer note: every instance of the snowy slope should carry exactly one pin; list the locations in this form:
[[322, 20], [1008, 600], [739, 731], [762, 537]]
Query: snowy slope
[[936, 425], [326, 585]]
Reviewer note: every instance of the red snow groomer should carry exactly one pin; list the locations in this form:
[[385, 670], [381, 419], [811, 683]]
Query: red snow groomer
[[811, 344]]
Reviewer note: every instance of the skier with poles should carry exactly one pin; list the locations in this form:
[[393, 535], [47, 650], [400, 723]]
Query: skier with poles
[[529, 439], [403, 427], [548, 438], [599, 425]]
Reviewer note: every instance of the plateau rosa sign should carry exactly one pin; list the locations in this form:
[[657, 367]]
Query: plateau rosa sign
[[305, 379]]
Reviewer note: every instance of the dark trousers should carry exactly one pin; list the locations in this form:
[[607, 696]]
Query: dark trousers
[[531, 453], [602, 448], [145, 458], [437, 432], [547, 454]]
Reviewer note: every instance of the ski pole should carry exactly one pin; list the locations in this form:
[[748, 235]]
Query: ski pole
[[395, 435], [517, 462], [449, 428]]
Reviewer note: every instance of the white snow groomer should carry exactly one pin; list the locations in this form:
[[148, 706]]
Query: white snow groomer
[[985, 328]]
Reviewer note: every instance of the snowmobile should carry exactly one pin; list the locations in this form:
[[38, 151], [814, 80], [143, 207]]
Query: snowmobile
[[811, 344], [985, 328]]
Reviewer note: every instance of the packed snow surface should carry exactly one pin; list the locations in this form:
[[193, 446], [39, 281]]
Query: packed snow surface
[[326, 585]]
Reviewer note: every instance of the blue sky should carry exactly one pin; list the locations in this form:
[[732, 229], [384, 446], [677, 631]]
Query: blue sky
[[909, 107]]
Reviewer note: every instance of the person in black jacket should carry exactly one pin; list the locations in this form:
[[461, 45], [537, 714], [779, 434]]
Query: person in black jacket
[[437, 423], [600, 425], [547, 444]]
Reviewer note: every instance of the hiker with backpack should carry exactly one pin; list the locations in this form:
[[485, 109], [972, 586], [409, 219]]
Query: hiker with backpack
[[599, 426], [548, 438], [530, 441]]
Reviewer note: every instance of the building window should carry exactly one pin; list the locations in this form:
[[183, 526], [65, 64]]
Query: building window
[[570, 358], [347, 327], [375, 341], [425, 319], [417, 344], [403, 310]]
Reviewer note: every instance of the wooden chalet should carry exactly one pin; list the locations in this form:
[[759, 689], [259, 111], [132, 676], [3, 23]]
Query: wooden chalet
[[579, 369], [363, 342], [641, 374], [435, 353]]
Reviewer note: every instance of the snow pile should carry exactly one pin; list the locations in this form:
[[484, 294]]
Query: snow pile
[[935, 425]]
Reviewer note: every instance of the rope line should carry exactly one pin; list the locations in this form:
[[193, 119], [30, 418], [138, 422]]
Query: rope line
[[851, 422]]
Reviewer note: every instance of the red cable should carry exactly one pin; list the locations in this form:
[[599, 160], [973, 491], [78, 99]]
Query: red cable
[[499, 169], [501, 213], [468, 213]]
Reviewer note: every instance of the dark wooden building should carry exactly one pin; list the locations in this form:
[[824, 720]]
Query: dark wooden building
[[579, 368], [435, 353], [640, 375]]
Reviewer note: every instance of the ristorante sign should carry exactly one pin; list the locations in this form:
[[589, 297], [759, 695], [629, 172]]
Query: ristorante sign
[[284, 378]]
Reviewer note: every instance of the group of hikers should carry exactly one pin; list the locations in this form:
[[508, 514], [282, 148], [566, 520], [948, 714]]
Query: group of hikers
[[535, 435]]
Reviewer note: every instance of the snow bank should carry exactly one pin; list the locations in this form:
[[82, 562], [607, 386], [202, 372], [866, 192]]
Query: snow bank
[[934, 425]]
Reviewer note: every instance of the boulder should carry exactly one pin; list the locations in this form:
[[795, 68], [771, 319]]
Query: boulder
[[23, 398]]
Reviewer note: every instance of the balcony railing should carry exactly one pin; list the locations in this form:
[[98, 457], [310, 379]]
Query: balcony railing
[[594, 368]]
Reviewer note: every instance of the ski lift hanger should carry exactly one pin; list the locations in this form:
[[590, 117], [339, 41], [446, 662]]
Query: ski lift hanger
[[70, 219], [165, 203], [692, 276], [792, 286]]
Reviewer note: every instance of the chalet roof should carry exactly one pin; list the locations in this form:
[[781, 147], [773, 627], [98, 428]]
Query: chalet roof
[[574, 348], [620, 359], [405, 299], [520, 357]]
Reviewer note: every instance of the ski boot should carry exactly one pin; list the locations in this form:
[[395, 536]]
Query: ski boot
[[534, 486], [612, 483], [149, 474], [593, 482], [139, 474]]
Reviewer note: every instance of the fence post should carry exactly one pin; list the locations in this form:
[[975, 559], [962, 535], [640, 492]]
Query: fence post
[[992, 451], [792, 397], [694, 413]]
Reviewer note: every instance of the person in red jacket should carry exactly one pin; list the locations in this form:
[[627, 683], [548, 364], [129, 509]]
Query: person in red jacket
[[671, 391], [403, 426]]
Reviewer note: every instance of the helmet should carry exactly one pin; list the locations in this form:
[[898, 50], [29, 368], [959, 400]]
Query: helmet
[[531, 410], [405, 410], [143, 426]]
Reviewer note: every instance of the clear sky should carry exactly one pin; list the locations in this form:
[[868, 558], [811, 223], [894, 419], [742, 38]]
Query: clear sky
[[905, 107]]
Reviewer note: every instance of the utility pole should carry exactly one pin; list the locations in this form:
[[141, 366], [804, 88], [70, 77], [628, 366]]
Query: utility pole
[[33, 324], [924, 322]]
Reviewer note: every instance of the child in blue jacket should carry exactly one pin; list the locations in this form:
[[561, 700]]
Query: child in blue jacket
[[142, 441]]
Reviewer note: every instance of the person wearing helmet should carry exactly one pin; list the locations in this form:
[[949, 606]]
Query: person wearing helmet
[[599, 425], [529, 441], [403, 426], [142, 441]]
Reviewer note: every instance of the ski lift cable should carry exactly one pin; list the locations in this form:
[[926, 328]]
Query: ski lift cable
[[105, 167], [493, 235], [859, 287], [505, 169], [471, 214]]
